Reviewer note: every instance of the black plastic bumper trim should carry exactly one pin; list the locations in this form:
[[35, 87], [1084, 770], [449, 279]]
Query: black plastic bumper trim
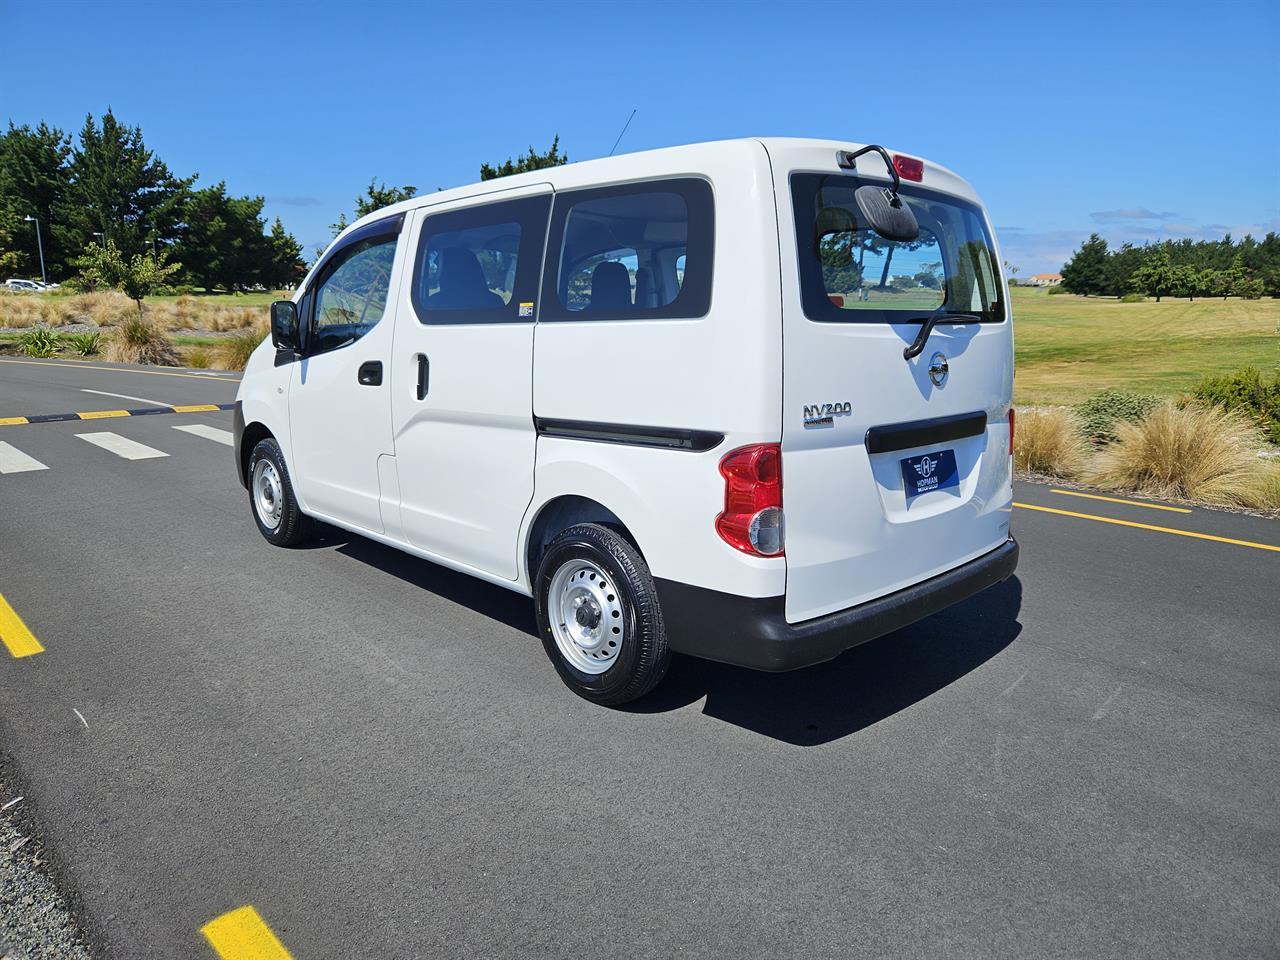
[[922, 433], [237, 437], [754, 632], [634, 435]]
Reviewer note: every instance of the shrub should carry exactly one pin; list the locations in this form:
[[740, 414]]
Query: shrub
[[1048, 442], [1248, 392], [40, 342], [198, 358], [1133, 298], [238, 348], [1054, 291], [1101, 413], [138, 340], [1192, 452], [85, 344]]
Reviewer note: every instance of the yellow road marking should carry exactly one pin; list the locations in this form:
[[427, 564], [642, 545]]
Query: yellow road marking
[[1132, 503], [243, 935], [1147, 526], [102, 414], [196, 408], [20, 641], [80, 364], [11, 421]]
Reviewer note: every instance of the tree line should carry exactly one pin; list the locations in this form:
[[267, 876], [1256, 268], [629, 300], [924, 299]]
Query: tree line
[[1247, 268], [105, 190]]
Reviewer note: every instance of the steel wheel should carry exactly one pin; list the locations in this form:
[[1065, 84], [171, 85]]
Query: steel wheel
[[268, 494], [586, 616]]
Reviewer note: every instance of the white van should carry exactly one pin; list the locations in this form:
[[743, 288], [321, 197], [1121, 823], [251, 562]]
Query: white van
[[689, 400]]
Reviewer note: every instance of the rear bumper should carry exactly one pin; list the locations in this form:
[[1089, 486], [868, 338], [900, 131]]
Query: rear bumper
[[754, 632]]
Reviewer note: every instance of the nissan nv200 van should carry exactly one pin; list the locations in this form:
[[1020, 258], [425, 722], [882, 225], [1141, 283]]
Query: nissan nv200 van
[[748, 400]]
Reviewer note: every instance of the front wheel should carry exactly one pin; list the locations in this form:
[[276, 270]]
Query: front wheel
[[275, 507], [599, 617]]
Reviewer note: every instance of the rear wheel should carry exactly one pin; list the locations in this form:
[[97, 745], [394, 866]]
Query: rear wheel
[[599, 616], [275, 508]]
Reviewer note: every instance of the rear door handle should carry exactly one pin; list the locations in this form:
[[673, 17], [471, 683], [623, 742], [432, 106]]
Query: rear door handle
[[424, 376], [370, 374]]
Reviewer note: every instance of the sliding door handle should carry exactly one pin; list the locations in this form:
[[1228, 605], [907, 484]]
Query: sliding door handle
[[370, 374], [424, 376]]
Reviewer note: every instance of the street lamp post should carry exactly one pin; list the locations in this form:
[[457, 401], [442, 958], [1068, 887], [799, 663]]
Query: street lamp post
[[44, 278]]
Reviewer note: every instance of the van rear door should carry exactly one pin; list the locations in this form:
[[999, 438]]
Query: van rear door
[[893, 470]]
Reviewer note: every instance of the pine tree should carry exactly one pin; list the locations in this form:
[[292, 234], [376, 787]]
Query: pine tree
[[120, 189], [285, 267], [33, 181], [1086, 272], [530, 161], [1156, 276]]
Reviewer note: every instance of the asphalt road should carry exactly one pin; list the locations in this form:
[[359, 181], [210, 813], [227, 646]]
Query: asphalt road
[[374, 753]]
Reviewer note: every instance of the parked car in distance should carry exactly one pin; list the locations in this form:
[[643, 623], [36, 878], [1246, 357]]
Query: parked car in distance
[[26, 286], [748, 400]]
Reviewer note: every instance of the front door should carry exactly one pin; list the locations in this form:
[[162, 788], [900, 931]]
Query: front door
[[340, 394], [462, 376]]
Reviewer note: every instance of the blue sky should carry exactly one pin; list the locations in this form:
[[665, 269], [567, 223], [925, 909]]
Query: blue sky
[[1137, 120]]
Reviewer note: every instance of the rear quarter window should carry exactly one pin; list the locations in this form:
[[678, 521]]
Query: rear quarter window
[[630, 252]]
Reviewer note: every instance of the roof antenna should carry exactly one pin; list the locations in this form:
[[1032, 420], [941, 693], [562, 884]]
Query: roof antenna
[[624, 130]]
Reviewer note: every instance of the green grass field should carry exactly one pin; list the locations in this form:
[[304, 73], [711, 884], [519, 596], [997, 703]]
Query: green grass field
[[1069, 347]]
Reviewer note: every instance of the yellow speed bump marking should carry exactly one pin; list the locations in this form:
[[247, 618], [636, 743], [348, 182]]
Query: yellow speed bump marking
[[243, 935], [20, 641], [1147, 526], [1132, 503], [196, 408], [102, 414], [11, 421]]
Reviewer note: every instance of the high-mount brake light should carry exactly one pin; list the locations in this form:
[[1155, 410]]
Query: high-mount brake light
[[909, 168], [752, 520]]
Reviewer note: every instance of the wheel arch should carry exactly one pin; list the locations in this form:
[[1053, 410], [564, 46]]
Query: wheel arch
[[254, 433], [564, 511]]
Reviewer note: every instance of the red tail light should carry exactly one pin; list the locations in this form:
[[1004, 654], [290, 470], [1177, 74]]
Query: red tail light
[[909, 168], [752, 520], [1011, 418]]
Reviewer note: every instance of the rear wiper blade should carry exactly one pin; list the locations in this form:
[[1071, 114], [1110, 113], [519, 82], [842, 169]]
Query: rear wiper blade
[[926, 328]]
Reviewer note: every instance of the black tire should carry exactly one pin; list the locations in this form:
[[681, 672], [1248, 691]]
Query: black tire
[[643, 657], [294, 527]]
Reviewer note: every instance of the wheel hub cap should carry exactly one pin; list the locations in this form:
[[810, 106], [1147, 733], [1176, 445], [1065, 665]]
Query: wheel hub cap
[[268, 494], [586, 616]]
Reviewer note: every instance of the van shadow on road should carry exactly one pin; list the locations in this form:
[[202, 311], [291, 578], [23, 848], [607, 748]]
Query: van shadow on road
[[806, 707], [861, 687]]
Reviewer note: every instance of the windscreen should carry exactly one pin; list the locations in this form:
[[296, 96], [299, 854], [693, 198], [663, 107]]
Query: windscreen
[[850, 274]]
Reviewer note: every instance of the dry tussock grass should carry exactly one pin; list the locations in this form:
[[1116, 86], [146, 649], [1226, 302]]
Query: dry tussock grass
[[1048, 442], [110, 308], [234, 354], [138, 340], [1189, 453]]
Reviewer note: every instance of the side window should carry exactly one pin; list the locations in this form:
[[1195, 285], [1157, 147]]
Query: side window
[[630, 252], [480, 264], [351, 296]]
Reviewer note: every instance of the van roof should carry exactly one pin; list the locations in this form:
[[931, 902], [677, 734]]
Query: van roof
[[785, 152]]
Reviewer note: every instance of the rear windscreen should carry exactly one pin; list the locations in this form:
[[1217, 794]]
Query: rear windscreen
[[849, 273]]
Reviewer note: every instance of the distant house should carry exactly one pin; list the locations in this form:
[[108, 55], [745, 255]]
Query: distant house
[[1045, 280]]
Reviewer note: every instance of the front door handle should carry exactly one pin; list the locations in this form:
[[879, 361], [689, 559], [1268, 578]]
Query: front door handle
[[424, 376], [371, 373]]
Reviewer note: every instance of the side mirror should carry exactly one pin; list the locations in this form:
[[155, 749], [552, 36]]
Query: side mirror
[[284, 325]]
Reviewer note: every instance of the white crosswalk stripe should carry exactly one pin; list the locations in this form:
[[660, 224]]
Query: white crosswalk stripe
[[122, 446], [208, 432], [13, 460]]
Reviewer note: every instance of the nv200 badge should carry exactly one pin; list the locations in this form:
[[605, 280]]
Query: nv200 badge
[[824, 414]]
